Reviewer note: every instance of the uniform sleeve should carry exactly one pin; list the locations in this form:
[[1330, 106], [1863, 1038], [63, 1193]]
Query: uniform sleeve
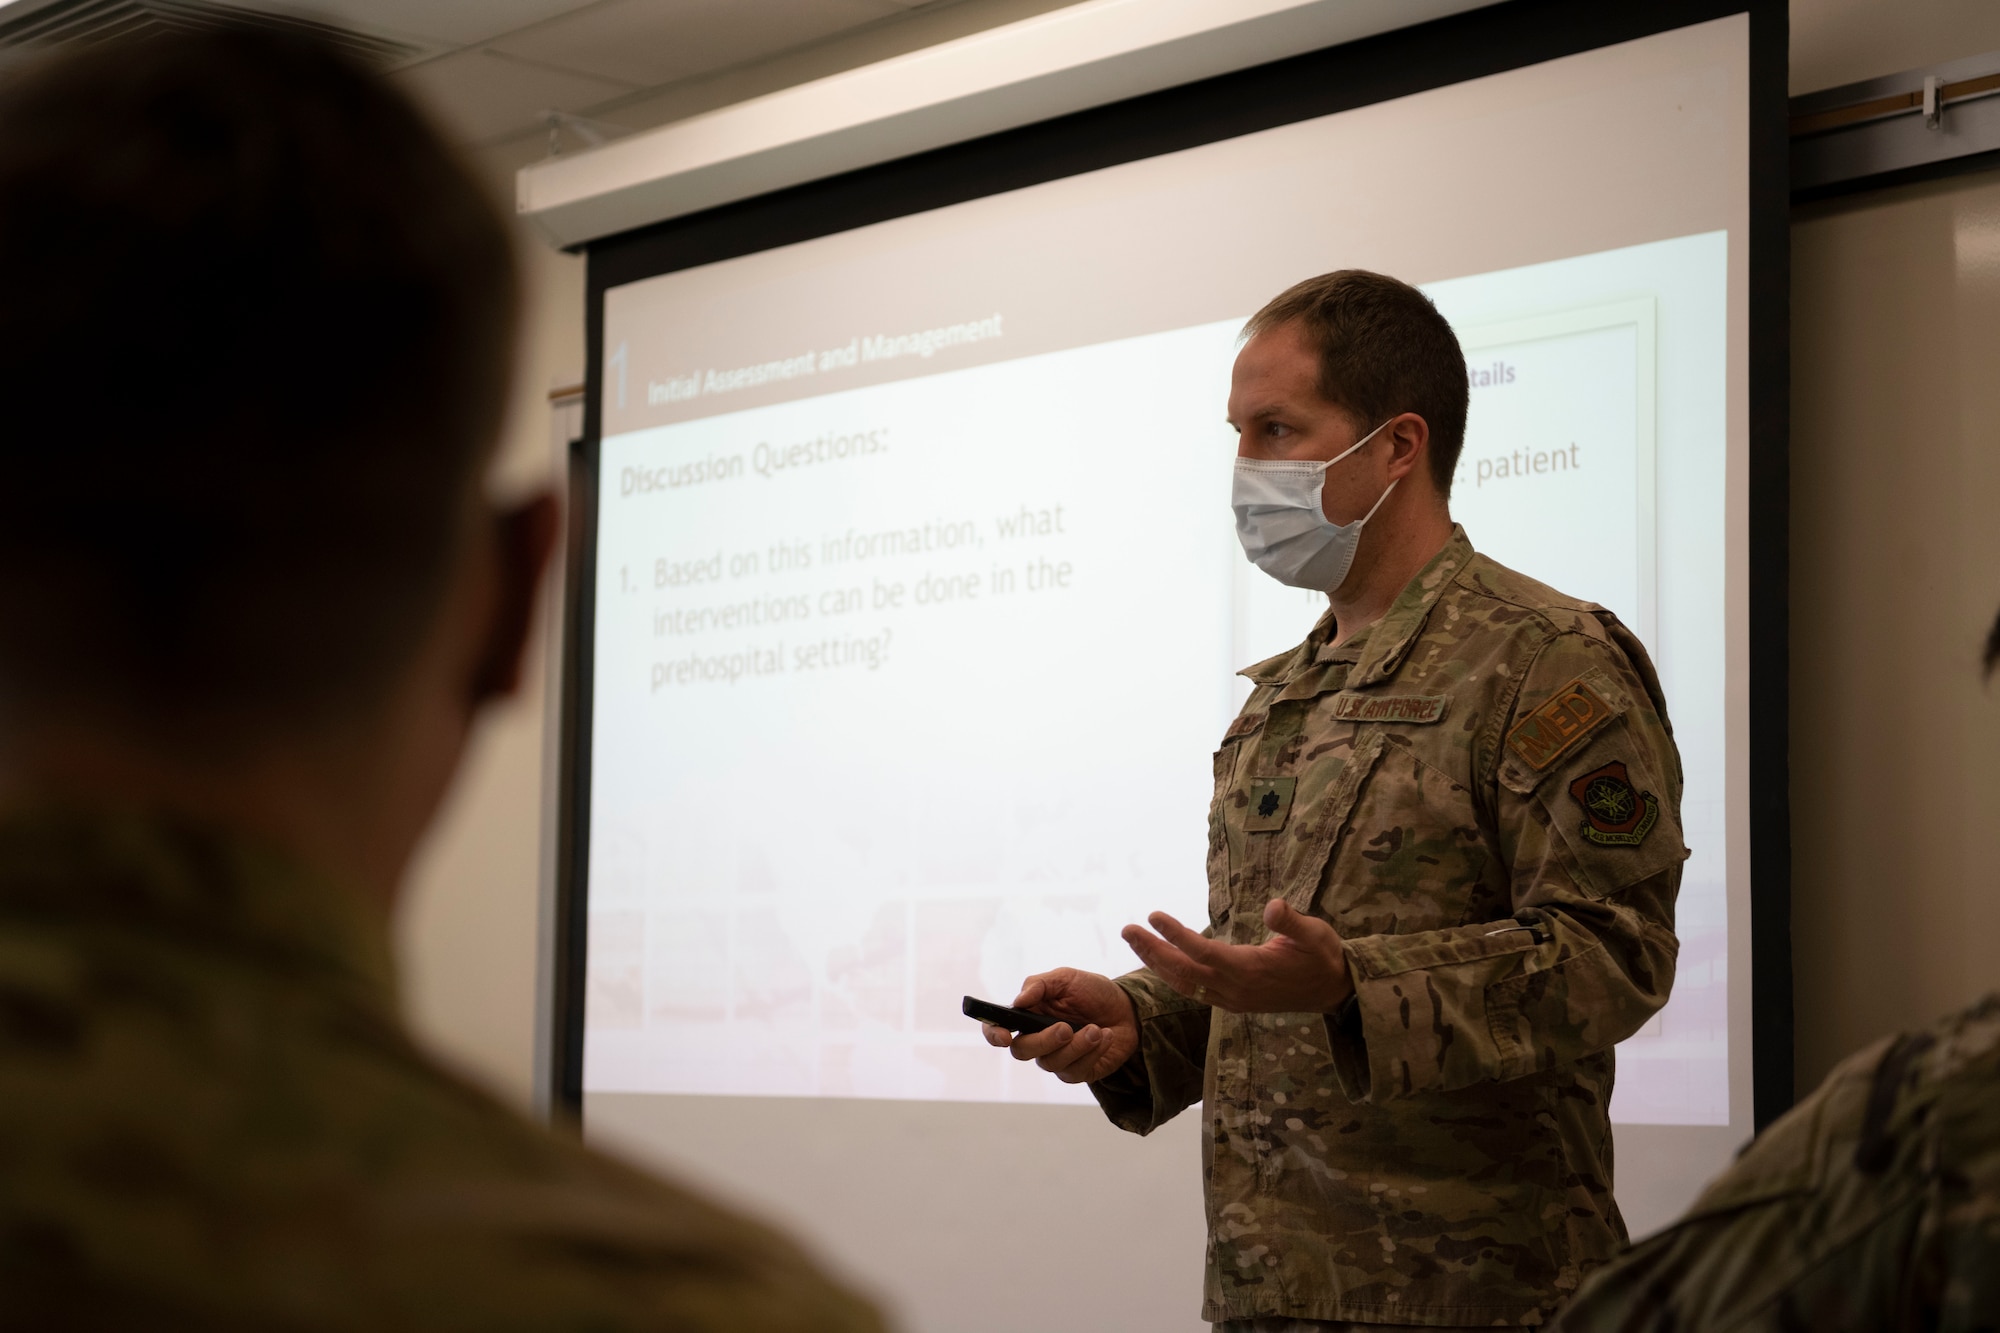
[[1586, 807], [1164, 1077], [1871, 1204]]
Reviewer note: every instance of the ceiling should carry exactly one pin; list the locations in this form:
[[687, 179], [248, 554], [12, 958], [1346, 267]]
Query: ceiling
[[492, 68]]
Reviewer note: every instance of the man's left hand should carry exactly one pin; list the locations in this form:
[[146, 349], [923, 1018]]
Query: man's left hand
[[1301, 969]]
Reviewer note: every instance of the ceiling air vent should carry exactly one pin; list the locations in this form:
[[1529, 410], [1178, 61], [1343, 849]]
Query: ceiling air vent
[[81, 22]]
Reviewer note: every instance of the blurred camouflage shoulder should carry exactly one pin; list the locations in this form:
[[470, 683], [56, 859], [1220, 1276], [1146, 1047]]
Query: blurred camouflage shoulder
[[1874, 1203], [211, 1117]]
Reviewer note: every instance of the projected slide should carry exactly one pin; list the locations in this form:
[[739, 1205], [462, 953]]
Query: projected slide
[[906, 683]]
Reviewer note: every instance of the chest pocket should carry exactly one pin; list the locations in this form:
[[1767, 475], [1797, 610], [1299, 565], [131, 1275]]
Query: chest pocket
[[1227, 789], [1317, 829], [1415, 854]]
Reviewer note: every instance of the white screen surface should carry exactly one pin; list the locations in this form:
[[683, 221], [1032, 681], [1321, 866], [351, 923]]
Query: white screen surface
[[919, 606]]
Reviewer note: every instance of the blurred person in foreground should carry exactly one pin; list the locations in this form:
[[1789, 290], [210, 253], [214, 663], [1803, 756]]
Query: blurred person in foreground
[[1872, 1204], [256, 339]]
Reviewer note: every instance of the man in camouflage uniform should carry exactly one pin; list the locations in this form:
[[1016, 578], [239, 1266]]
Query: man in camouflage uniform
[[1444, 848], [1872, 1204], [258, 327]]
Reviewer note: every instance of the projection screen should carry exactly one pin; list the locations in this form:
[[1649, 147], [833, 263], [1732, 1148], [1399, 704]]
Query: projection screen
[[911, 612]]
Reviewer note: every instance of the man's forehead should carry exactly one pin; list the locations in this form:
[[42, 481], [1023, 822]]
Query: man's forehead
[[1269, 380], [1278, 352]]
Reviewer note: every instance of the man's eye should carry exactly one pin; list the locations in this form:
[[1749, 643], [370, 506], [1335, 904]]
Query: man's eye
[[1275, 430]]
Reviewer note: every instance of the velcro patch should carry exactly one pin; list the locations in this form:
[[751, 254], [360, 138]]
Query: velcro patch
[[1244, 724], [1399, 708], [1614, 813], [1270, 804], [1560, 725]]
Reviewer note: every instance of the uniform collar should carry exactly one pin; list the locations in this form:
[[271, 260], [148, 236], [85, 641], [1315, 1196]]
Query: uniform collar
[[202, 888], [1391, 637], [1287, 666], [1381, 647], [1348, 652]]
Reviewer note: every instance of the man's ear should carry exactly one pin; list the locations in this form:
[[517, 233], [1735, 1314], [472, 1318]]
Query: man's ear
[[1409, 444], [526, 538]]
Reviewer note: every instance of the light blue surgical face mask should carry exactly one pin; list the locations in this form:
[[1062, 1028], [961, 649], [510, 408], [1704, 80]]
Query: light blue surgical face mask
[[1284, 527]]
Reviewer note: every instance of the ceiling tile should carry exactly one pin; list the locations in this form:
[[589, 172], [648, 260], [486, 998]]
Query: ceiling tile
[[650, 42], [434, 22], [481, 95]]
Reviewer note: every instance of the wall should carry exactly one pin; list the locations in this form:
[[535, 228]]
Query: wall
[[1895, 570], [1896, 577], [1846, 41]]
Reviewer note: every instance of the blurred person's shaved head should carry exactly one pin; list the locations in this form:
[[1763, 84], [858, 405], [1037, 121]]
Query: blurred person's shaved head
[[258, 322], [255, 341], [254, 346]]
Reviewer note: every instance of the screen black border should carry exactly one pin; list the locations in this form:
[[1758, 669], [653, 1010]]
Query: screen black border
[[1396, 64]]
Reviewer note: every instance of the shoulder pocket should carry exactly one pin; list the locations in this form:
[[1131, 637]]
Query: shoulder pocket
[[1614, 810], [1606, 781]]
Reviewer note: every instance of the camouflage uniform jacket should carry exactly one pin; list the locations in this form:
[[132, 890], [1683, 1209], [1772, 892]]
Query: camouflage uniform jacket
[[211, 1118], [1481, 794], [1874, 1204]]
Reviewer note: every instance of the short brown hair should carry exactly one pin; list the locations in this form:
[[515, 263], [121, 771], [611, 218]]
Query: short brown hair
[[1383, 350], [255, 341]]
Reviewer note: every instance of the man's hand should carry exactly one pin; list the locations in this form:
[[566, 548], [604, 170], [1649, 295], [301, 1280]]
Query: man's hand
[[1099, 1034], [1301, 969]]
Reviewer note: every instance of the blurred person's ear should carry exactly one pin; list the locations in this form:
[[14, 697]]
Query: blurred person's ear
[[525, 539]]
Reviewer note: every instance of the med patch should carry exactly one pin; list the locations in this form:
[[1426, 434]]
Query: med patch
[[1561, 724], [1615, 813]]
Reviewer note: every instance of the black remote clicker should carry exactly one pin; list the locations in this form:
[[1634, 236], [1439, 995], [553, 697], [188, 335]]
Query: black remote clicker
[[1014, 1020]]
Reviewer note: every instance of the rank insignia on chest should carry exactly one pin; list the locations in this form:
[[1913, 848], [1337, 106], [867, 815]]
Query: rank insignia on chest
[[1270, 804], [1614, 814]]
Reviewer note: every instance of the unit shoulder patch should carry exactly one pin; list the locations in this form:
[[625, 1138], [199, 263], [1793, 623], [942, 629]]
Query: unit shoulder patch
[[1614, 813], [1559, 725], [1397, 708]]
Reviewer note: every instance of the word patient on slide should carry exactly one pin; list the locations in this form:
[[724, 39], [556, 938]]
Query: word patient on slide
[[1526, 463]]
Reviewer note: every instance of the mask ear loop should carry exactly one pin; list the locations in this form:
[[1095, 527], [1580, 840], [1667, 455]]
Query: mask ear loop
[[1378, 504], [1392, 485], [1357, 444]]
